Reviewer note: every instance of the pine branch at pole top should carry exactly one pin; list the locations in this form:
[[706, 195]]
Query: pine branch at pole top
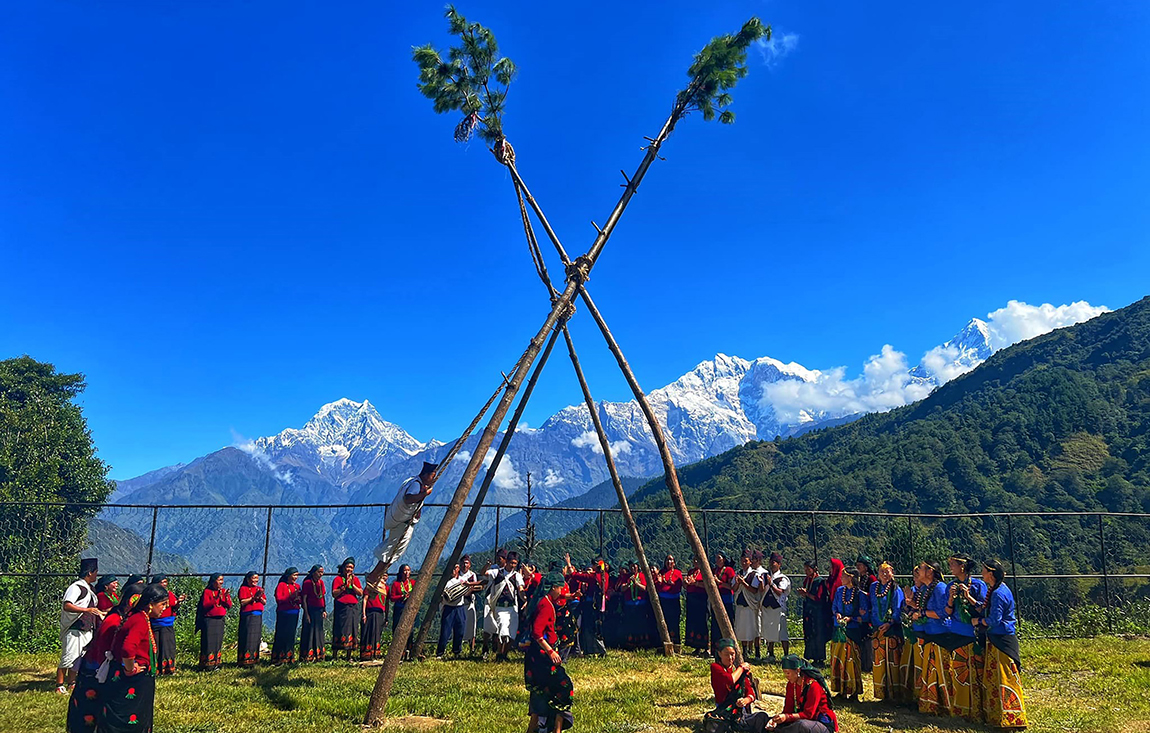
[[477, 503], [621, 496], [450, 89]]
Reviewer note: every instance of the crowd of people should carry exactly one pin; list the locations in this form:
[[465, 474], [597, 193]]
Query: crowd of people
[[945, 648]]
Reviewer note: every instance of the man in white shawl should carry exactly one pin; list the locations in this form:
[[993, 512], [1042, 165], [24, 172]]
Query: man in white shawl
[[777, 590], [399, 522], [748, 588], [503, 590]]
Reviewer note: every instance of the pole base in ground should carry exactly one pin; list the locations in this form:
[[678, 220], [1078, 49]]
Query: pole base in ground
[[668, 649]]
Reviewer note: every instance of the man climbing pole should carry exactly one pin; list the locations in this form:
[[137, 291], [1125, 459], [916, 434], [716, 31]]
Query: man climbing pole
[[399, 523]]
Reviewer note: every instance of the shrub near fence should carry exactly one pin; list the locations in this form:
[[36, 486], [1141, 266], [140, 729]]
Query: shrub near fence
[[1073, 574]]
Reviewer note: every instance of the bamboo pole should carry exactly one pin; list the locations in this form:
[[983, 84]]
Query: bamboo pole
[[628, 518], [477, 502], [671, 477]]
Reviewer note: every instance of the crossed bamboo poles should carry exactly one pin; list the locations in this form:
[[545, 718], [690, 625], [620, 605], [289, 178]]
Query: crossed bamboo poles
[[577, 272]]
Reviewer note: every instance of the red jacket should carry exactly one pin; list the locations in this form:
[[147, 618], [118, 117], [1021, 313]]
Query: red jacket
[[672, 583], [251, 591], [400, 590], [349, 597], [133, 640], [216, 603], [284, 601], [543, 626], [722, 684], [102, 641], [807, 700]]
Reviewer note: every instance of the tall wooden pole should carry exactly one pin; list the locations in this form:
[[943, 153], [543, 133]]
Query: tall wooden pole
[[621, 495], [477, 501]]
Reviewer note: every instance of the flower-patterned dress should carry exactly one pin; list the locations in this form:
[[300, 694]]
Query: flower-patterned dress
[[129, 699], [550, 687]]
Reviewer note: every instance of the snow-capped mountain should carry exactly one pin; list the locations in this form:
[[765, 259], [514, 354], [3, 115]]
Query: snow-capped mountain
[[969, 348], [346, 442]]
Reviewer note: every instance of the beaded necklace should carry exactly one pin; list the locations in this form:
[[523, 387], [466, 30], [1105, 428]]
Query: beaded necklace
[[885, 611]]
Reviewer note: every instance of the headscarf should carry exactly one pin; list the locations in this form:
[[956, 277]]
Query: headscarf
[[806, 669], [347, 561], [157, 579], [134, 579], [128, 599], [835, 575], [103, 583], [868, 561], [550, 581], [286, 577], [249, 576], [313, 570], [722, 644]]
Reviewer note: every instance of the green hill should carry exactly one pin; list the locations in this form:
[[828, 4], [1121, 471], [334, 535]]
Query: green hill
[[1057, 423]]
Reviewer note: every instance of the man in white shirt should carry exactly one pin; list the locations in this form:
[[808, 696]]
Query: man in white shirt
[[399, 523], [79, 618], [775, 607], [468, 577], [503, 591]]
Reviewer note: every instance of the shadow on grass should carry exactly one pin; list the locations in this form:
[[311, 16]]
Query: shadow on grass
[[275, 685], [897, 717]]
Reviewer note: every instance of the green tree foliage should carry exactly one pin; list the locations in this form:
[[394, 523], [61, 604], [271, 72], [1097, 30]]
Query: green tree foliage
[[717, 69]]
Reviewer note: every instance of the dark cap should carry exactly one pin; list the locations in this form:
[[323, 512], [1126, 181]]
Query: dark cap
[[428, 468]]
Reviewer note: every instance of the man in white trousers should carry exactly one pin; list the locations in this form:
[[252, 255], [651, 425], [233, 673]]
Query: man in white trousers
[[399, 523]]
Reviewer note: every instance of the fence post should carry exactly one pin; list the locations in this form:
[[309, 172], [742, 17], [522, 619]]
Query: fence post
[[152, 543], [39, 570], [1013, 568], [601, 535], [706, 537], [497, 529], [1105, 574], [815, 538], [267, 544]]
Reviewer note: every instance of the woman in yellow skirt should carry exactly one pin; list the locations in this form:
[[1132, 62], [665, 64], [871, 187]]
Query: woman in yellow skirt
[[1002, 702], [850, 609], [935, 692], [910, 665], [886, 599], [966, 596]]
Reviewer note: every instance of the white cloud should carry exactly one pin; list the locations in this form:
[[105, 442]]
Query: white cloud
[[1020, 321], [590, 440], [780, 46], [885, 382], [552, 479], [247, 445], [506, 477]]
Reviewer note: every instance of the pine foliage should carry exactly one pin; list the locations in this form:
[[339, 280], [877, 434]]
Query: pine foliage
[[717, 69], [471, 78]]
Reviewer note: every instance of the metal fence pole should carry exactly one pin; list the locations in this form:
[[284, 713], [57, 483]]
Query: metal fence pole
[[496, 529], [815, 538], [36, 582], [267, 544], [152, 542], [1013, 568], [1105, 574], [601, 535], [706, 537]]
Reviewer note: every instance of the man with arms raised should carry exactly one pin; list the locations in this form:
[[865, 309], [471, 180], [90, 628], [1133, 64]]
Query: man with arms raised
[[399, 523]]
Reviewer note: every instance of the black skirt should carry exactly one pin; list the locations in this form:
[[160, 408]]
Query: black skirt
[[345, 627], [549, 687], [312, 644], [672, 614], [283, 643], [697, 621], [165, 648], [729, 605], [129, 702], [250, 635], [369, 642], [396, 611], [636, 624], [589, 642], [211, 642], [84, 706]]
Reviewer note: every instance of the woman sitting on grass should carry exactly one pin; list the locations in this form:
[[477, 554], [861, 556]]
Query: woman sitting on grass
[[734, 691], [543, 672], [808, 704]]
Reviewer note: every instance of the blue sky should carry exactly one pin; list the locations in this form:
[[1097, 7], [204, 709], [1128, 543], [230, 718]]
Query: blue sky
[[226, 215]]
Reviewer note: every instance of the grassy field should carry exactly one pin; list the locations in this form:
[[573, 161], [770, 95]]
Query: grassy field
[[1098, 684]]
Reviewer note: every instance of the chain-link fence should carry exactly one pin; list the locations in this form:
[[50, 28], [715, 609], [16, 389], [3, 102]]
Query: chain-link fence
[[1073, 574]]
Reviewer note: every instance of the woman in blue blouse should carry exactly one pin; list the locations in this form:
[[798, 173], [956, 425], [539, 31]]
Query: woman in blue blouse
[[934, 689], [886, 600], [965, 597], [1002, 701], [850, 609]]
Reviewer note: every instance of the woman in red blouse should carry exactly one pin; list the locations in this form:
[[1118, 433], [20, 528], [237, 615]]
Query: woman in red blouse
[[398, 592], [345, 593], [725, 574], [130, 691], [733, 690], [374, 618], [543, 672], [808, 704], [669, 585], [312, 644], [214, 604], [252, 600], [84, 707], [697, 609], [288, 600], [106, 593], [164, 627]]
